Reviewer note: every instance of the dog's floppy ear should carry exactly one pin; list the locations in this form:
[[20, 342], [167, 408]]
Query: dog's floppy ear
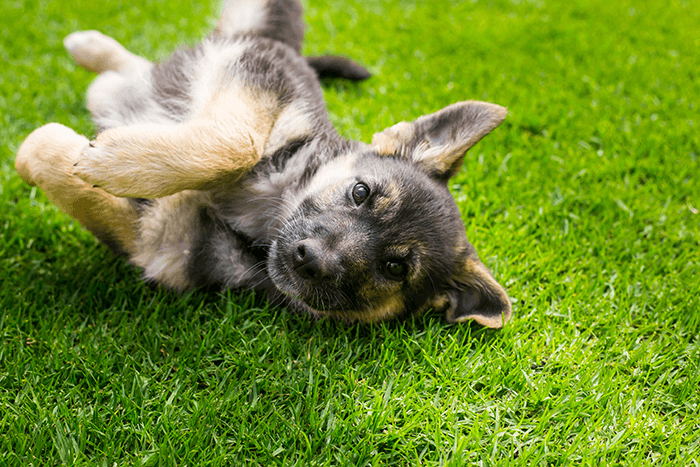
[[438, 142], [475, 294]]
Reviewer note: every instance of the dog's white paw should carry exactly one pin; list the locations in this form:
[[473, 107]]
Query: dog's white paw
[[48, 154], [94, 51]]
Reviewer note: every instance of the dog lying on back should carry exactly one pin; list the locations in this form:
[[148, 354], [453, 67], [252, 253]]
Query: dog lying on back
[[220, 167]]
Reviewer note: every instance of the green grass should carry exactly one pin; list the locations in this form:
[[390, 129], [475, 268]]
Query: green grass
[[584, 203]]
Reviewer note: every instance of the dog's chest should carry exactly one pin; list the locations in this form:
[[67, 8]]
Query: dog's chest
[[269, 195]]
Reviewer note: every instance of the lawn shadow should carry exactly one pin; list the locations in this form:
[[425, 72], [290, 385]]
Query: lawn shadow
[[104, 290], [404, 339]]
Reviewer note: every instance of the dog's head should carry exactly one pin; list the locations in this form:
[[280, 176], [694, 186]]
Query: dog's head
[[376, 233]]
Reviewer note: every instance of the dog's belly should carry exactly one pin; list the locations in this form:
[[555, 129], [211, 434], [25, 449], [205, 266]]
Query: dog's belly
[[183, 243], [169, 230], [205, 238]]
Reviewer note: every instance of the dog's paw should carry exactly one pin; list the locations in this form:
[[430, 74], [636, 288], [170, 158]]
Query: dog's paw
[[108, 167], [94, 51], [48, 154], [95, 166]]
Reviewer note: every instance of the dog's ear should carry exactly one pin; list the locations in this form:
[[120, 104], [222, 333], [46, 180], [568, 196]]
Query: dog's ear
[[438, 142], [475, 294]]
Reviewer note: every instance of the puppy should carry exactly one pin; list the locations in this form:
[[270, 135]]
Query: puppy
[[220, 167]]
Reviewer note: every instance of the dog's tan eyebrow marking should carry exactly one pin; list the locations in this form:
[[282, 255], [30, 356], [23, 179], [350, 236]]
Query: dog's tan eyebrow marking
[[331, 178], [400, 251], [411, 252], [388, 202]]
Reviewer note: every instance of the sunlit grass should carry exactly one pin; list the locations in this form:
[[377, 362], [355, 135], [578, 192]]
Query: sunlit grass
[[584, 203]]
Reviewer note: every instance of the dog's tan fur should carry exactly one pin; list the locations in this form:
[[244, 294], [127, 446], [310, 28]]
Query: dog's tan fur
[[224, 141], [152, 161], [166, 238], [444, 157], [46, 159]]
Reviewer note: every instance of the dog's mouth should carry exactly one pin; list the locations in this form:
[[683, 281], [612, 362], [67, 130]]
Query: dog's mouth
[[315, 294], [323, 296], [300, 272]]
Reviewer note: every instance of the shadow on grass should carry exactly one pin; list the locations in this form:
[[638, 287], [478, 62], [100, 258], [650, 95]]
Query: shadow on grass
[[71, 287]]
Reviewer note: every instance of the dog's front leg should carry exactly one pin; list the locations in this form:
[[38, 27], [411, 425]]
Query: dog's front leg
[[152, 161], [46, 159]]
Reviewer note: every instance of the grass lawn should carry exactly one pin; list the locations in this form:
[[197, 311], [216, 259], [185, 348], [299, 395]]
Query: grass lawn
[[584, 203]]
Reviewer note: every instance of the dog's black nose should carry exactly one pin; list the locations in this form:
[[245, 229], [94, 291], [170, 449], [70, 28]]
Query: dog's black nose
[[307, 260]]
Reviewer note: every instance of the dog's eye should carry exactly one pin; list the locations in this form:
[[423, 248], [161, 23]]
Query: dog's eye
[[360, 192], [395, 269]]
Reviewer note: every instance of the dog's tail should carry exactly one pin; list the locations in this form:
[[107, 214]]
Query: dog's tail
[[281, 20], [333, 66]]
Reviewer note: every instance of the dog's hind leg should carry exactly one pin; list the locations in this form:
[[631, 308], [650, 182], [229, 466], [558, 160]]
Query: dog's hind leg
[[46, 159], [120, 95], [99, 53]]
